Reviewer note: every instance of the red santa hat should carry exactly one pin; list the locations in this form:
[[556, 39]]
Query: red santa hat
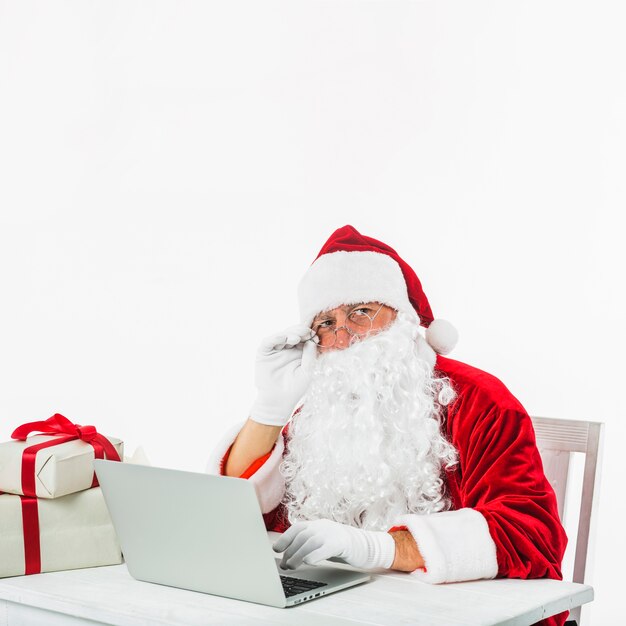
[[351, 268]]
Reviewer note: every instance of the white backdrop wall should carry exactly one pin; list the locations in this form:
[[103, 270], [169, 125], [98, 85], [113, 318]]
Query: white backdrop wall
[[168, 171]]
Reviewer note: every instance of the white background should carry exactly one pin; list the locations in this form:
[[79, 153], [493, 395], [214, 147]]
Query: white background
[[169, 170]]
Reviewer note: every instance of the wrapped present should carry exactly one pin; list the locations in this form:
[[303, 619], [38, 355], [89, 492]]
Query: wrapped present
[[44, 535], [57, 462]]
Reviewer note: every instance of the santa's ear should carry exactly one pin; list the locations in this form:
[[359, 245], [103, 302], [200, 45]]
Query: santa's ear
[[425, 351]]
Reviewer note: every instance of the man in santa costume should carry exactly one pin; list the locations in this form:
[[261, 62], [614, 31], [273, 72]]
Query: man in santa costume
[[367, 445]]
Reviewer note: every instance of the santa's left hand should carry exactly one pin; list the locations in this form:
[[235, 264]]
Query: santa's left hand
[[313, 541]]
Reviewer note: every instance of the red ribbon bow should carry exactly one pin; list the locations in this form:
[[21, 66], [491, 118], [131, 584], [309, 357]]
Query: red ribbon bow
[[66, 431]]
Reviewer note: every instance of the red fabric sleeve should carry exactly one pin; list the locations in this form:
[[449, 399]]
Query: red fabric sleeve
[[500, 474], [503, 479]]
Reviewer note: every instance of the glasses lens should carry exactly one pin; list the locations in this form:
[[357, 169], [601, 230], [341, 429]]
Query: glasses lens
[[358, 323]]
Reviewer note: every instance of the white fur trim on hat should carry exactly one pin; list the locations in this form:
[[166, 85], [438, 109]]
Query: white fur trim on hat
[[352, 277], [441, 336], [268, 482], [455, 545]]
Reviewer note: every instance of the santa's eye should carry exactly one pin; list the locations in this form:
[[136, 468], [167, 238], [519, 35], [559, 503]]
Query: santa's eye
[[355, 317], [321, 324]]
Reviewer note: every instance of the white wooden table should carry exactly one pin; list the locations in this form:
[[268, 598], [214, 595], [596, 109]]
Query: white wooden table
[[109, 595]]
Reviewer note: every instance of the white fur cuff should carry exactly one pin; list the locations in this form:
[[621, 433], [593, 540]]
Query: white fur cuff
[[455, 545], [268, 481]]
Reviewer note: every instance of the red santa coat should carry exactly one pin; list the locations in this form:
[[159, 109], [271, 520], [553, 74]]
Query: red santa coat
[[504, 520]]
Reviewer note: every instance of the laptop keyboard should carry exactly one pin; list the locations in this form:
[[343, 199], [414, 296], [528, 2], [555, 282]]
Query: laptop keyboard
[[293, 586]]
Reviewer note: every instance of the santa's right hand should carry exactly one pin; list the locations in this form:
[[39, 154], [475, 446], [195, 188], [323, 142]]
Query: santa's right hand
[[282, 373]]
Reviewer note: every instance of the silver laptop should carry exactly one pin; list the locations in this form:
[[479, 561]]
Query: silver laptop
[[206, 533]]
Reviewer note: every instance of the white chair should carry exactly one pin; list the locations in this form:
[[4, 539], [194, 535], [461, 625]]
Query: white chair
[[557, 440]]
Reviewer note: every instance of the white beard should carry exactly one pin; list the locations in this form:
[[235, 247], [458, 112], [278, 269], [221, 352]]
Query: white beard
[[366, 445]]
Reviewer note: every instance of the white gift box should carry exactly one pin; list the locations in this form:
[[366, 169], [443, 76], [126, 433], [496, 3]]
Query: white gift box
[[59, 470], [74, 531]]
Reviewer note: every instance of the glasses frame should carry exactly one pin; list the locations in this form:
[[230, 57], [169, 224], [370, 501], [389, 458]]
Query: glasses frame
[[351, 333]]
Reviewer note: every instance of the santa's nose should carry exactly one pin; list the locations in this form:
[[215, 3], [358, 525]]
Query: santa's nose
[[342, 339]]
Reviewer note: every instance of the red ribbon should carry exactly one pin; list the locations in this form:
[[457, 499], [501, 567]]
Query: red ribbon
[[30, 523], [30, 526], [65, 431]]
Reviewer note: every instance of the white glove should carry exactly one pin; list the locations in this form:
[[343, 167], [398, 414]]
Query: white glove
[[313, 541], [282, 373]]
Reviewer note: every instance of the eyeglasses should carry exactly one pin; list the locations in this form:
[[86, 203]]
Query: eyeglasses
[[358, 324]]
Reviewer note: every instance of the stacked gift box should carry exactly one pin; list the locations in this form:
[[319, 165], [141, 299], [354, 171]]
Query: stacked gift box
[[52, 512]]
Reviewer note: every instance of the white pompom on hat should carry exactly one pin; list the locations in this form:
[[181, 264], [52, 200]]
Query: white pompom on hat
[[351, 268], [442, 336]]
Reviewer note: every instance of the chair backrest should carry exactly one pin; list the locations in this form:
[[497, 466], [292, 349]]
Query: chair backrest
[[557, 439]]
